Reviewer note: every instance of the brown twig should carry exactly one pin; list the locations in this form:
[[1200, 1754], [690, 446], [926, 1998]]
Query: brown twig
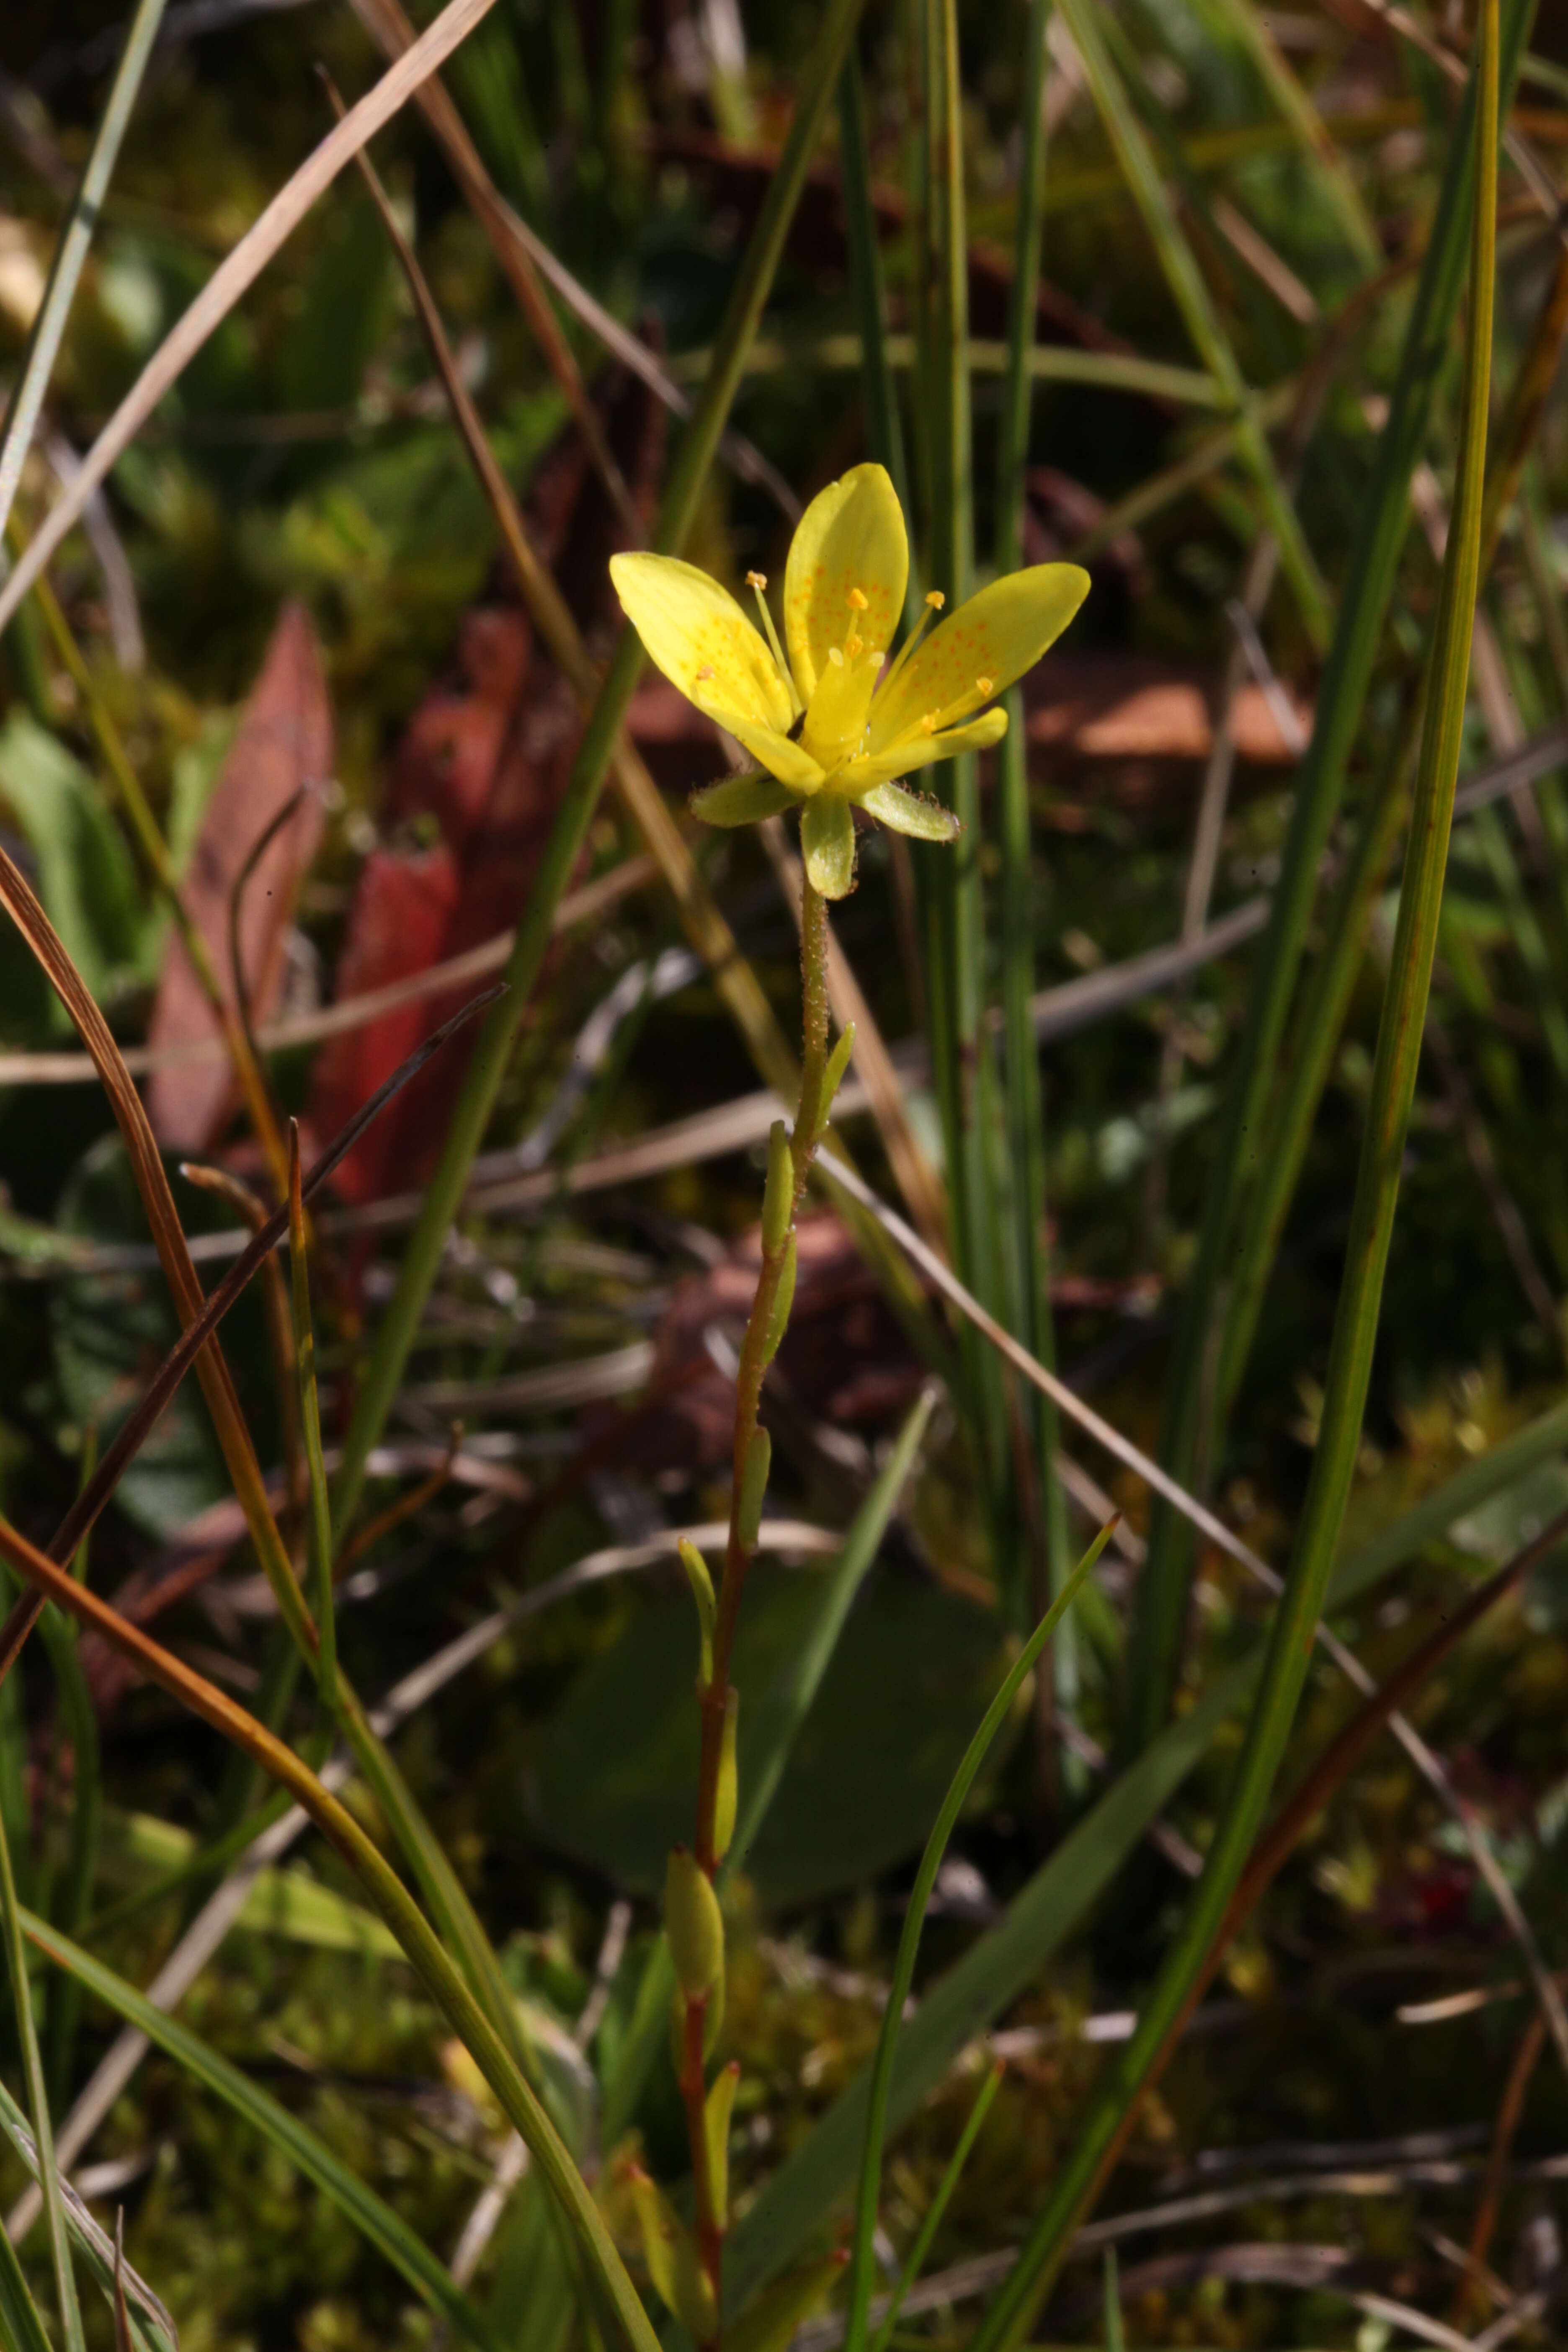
[[1470, 2298]]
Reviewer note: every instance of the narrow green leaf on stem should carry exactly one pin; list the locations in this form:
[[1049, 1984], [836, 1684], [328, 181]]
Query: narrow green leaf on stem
[[862, 2268], [465, 1130], [70, 255], [1008, 2321], [65, 2300], [1240, 1142]]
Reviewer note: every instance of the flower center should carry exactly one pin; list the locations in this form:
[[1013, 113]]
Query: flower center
[[840, 704]]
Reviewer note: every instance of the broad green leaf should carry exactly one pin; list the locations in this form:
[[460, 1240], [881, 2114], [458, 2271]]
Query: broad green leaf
[[287, 1903], [86, 880]]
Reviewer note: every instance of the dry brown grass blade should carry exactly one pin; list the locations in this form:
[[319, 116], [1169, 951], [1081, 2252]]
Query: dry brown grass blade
[[388, 26], [234, 277], [1470, 2301]]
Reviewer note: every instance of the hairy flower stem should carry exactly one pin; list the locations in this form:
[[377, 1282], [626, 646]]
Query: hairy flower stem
[[713, 1700]]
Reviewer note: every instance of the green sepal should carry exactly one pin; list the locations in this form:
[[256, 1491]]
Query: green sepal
[[916, 814], [783, 1300], [726, 1795], [702, 1584], [754, 1486], [673, 2263], [716, 2131], [693, 1923], [778, 1196], [770, 2324], [827, 844], [743, 800]]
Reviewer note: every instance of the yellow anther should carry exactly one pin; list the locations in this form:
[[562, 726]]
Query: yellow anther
[[706, 671], [985, 686], [834, 657], [935, 599], [757, 580], [853, 646], [860, 603], [928, 722]]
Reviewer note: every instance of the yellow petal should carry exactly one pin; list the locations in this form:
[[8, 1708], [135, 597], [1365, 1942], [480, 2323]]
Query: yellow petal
[[923, 752], [851, 540], [993, 638], [697, 634], [777, 754], [911, 813], [827, 844]]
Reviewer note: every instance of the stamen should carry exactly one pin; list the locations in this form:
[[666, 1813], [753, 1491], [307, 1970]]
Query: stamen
[[853, 646], [934, 601], [705, 672], [834, 657], [862, 603], [985, 687], [757, 581]]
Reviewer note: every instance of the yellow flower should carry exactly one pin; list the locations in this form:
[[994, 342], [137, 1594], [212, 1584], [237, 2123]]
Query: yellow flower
[[833, 726]]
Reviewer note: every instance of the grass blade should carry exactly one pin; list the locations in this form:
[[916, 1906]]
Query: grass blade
[[862, 2270], [1026, 1263], [38, 2103], [884, 429], [375, 2220], [1369, 578], [1191, 299], [950, 2179], [465, 1129], [1251, 31], [321, 1520], [448, 1986], [26, 399], [99, 2250], [20, 2323], [1355, 1326]]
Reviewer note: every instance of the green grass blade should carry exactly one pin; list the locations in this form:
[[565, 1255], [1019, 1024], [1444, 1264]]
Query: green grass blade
[[1248, 26], [146, 2314], [375, 2220], [80, 1719], [38, 2105], [1191, 299], [1369, 579], [862, 2269], [21, 2327], [1029, 1316], [973, 2125], [884, 430], [465, 1131], [1006, 2324], [321, 1520], [70, 256], [815, 2181]]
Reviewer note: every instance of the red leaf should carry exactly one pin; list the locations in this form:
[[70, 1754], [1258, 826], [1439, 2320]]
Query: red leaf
[[284, 744]]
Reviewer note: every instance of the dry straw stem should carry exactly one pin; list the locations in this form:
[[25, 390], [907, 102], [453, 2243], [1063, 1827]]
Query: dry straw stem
[[232, 279], [1356, 1319], [436, 1970]]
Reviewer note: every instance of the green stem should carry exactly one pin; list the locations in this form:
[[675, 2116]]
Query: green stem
[[939, 2204], [444, 1194], [1355, 1324], [757, 1350], [1239, 1149]]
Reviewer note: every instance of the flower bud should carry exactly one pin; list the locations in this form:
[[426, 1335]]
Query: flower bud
[[716, 2131], [726, 1796], [754, 1486], [702, 1584], [693, 1923], [778, 1196]]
